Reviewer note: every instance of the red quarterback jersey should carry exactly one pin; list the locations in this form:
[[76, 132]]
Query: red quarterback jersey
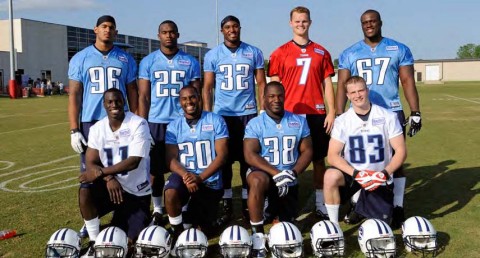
[[302, 71]]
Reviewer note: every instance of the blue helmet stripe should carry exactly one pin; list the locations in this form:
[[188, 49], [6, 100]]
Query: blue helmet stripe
[[286, 232], [291, 230], [327, 227], [380, 231], [238, 233], [58, 233], [232, 229], [151, 234], [111, 235], [426, 225], [418, 224], [64, 233], [195, 235], [143, 235]]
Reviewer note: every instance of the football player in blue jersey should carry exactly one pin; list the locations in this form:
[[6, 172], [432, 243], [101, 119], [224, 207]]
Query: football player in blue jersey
[[196, 151], [278, 147], [91, 72], [161, 76], [382, 62], [232, 69]]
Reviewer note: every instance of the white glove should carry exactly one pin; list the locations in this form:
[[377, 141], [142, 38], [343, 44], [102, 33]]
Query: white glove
[[284, 177], [152, 142], [78, 142], [415, 122]]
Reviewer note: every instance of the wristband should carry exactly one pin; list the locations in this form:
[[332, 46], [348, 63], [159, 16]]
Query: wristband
[[386, 173], [415, 113], [74, 130]]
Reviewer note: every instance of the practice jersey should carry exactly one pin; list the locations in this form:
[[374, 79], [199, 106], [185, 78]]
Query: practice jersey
[[234, 78], [302, 72], [196, 145], [99, 73], [132, 139], [367, 143], [278, 141], [379, 67], [167, 77]]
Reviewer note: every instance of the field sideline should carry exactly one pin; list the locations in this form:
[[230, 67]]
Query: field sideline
[[38, 173]]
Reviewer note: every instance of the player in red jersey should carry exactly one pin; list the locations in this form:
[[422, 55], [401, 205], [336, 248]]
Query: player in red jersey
[[305, 69]]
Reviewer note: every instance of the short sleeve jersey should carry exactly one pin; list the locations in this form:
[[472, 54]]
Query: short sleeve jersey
[[278, 141], [234, 78], [167, 77], [367, 143], [130, 140], [196, 144], [302, 72], [98, 73], [379, 67]]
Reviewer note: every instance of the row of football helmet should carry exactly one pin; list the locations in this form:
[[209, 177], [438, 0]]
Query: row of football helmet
[[375, 238]]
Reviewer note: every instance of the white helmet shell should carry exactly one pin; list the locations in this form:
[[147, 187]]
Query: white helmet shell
[[285, 240], [191, 243], [327, 239], [63, 243], [376, 239], [235, 242], [111, 242], [153, 241], [419, 235]]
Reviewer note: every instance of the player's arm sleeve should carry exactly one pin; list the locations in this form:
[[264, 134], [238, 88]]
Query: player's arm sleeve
[[170, 135], [140, 144], [94, 139], [75, 70], [259, 60], [337, 131], [394, 126], [195, 70], [328, 68], [407, 57], [305, 128], [274, 64], [221, 130], [144, 68]]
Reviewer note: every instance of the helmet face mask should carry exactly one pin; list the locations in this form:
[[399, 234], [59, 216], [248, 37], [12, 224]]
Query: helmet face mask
[[191, 251], [150, 251], [380, 247], [421, 243], [330, 246], [109, 251], [61, 250], [292, 250], [235, 251], [63, 243]]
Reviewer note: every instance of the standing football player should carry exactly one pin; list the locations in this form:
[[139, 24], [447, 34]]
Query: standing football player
[[91, 72], [278, 147], [366, 147], [381, 62], [196, 150], [162, 75], [305, 69], [117, 166], [232, 69]]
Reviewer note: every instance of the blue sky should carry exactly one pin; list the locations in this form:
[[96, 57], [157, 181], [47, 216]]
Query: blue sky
[[433, 29]]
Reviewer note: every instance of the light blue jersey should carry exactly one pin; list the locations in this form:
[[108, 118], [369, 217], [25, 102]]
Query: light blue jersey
[[278, 142], [234, 78], [166, 78], [379, 67], [99, 73], [196, 145]]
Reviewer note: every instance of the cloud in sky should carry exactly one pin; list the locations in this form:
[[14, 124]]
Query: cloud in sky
[[48, 4]]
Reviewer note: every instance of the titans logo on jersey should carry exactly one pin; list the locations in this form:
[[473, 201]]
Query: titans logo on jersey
[[367, 143], [99, 73], [167, 77], [279, 142], [196, 144], [379, 67], [234, 78], [131, 139]]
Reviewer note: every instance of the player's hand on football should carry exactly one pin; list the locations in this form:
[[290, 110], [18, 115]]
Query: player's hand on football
[[328, 124], [115, 190], [415, 122], [78, 142]]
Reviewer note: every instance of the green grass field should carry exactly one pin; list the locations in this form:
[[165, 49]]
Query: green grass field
[[38, 174]]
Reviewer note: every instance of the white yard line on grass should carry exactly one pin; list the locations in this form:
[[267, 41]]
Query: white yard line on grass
[[38, 165], [451, 96], [33, 128]]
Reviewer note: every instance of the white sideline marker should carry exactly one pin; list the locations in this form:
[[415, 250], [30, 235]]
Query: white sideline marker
[[462, 99]]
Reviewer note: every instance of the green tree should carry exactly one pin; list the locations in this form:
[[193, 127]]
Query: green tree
[[468, 51]]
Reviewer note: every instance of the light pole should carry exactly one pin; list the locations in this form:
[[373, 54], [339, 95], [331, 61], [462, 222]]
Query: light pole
[[11, 84]]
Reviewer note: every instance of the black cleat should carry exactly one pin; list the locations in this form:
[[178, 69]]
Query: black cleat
[[321, 215], [159, 220], [352, 217], [398, 217], [227, 208]]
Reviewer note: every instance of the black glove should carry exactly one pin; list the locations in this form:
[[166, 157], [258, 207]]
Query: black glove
[[415, 121]]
